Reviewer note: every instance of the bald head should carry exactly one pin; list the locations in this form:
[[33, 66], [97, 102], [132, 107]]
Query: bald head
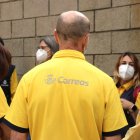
[[73, 25]]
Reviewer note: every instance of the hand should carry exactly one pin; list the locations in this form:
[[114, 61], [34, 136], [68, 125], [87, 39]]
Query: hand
[[126, 104]]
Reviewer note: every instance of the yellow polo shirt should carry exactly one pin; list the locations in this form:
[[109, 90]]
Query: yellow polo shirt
[[13, 84], [126, 87], [66, 98], [3, 105], [134, 132]]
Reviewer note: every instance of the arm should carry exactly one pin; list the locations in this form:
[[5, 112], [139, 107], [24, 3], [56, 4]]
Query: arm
[[115, 121], [134, 114], [117, 137], [16, 117], [5, 131], [133, 133], [0, 132], [128, 105], [18, 136]]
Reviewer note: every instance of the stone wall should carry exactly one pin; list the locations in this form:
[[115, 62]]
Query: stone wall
[[115, 28]]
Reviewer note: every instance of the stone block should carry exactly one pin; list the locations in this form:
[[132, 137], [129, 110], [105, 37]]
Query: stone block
[[37, 62], [135, 16], [99, 43], [90, 16], [93, 4], [35, 8], [123, 41], [5, 29], [46, 25], [15, 46], [89, 58], [11, 10], [23, 64], [112, 19], [23, 28], [60, 6], [106, 63], [124, 2], [4, 0], [30, 46], [19, 77]]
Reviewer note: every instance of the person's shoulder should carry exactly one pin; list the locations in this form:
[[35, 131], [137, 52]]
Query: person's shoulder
[[101, 77], [97, 72], [12, 67], [36, 70]]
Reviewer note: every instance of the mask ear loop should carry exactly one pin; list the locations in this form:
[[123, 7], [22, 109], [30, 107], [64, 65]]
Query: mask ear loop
[[86, 46], [48, 50]]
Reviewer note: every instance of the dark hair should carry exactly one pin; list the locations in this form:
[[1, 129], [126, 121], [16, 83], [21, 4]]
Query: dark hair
[[1, 41], [5, 61], [50, 41], [75, 29]]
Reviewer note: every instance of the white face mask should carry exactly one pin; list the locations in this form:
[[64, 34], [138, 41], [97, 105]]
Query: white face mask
[[126, 72], [42, 55]]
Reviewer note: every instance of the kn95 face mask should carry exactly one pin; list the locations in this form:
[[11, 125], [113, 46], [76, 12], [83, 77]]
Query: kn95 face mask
[[41, 55], [126, 72]]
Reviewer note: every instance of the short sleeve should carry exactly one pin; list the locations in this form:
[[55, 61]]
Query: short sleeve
[[114, 122], [134, 132], [137, 103], [16, 117], [3, 105]]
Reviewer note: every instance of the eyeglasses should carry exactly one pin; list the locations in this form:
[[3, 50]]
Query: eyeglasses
[[42, 47]]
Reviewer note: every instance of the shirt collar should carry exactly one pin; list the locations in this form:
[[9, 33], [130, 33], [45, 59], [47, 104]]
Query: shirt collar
[[128, 85], [69, 53]]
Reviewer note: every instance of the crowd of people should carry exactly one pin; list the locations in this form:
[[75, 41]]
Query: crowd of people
[[65, 97]]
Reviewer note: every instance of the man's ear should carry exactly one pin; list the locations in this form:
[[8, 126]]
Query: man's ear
[[56, 36]]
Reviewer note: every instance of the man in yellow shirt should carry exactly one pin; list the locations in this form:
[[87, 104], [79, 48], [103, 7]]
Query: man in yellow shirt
[[134, 132], [67, 98]]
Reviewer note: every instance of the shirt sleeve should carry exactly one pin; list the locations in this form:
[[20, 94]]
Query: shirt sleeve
[[137, 103], [16, 117], [13, 83], [3, 105], [134, 132], [114, 122]]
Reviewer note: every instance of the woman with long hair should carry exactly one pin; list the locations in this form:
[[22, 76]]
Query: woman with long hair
[[5, 61], [10, 82], [127, 79]]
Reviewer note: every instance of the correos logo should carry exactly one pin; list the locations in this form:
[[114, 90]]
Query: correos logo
[[4, 82], [73, 81], [50, 80]]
